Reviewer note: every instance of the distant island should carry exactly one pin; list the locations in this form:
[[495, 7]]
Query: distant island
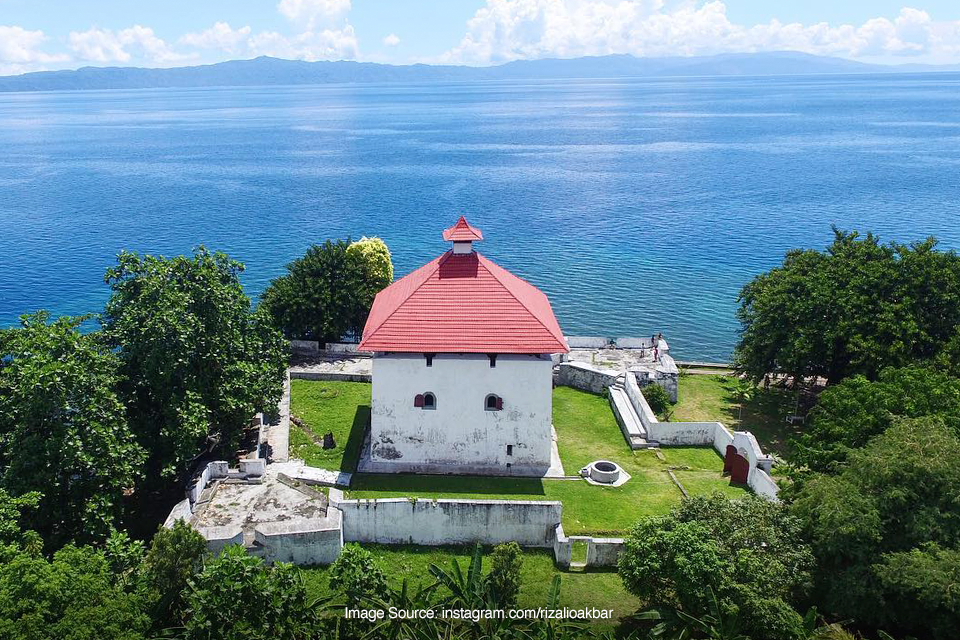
[[274, 71]]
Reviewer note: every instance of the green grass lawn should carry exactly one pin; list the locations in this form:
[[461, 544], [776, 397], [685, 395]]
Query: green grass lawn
[[586, 431], [340, 408], [601, 589], [710, 398]]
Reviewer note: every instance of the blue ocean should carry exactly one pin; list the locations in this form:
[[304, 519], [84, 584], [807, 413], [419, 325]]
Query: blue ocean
[[638, 206]]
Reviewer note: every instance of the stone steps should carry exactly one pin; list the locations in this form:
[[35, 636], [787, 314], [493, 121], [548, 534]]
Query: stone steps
[[630, 424]]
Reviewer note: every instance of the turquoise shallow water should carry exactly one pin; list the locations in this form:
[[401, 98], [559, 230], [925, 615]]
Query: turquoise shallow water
[[638, 206]]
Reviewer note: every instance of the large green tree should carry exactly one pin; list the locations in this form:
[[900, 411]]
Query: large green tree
[[886, 530], [747, 553], [856, 308], [196, 362], [74, 596], [63, 431], [327, 294], [849, 414]]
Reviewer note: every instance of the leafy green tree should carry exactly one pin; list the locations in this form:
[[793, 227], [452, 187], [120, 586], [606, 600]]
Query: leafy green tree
[[71, 597], [63, 431], [743, 392], [196, 364], [327, 294], [12, 513], [856, 308], [849, 414], [357, 575], [747, 553], [236, 597], [657, 397], [175, 557], [891, 514]]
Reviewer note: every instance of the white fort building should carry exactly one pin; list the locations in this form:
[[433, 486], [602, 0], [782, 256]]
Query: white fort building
[[462, 373]]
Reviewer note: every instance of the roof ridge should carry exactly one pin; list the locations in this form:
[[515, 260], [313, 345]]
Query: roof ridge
[[429, 272], [482, 259]]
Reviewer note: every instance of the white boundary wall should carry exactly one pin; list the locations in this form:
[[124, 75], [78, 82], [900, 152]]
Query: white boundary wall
[[529, 523]]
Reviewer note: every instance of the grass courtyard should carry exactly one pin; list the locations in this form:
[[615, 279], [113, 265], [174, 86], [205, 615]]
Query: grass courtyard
[[586, 431], [710, 397], [600, 589]]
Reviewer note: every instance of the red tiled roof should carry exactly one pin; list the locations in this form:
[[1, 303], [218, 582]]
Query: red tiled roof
[[462, 303], [462, 232]]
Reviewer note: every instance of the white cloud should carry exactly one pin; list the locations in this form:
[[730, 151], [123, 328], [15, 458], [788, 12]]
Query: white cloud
[[328, 44], [20, 50], [391, 40], [522, 29], [220, 36], [314, 12], [106, 45]]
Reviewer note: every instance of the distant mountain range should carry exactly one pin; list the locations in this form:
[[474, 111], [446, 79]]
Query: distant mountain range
[[275, 71]]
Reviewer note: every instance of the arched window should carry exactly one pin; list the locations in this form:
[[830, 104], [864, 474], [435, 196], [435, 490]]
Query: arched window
[[425, 400], [493, 402]]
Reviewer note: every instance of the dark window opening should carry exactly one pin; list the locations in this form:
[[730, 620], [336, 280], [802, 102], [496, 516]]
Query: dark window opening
[[493, 403], [493, 359], [429, 359], [509, 449], [429, 401]]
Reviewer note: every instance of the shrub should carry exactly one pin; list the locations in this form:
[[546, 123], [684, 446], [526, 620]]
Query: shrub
[[503, 581], [658, 398], [357, 575]]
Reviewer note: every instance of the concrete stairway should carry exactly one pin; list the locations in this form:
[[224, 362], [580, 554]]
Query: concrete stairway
[[630, 424]]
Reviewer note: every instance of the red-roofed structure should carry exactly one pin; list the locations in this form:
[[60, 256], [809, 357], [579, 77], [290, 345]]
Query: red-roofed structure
[[462, 303], [462, 369], [462, 231]]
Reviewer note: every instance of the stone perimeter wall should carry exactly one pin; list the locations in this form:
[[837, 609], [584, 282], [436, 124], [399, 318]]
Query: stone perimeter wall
[[529, 523]]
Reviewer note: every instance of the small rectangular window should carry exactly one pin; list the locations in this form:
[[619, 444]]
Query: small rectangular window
[[429, 359], [509, 449], [493, 359]]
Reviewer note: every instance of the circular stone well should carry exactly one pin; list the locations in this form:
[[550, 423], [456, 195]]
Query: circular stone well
[[604, 471]]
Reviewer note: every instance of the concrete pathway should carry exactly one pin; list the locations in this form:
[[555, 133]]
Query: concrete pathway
[[277, 433]]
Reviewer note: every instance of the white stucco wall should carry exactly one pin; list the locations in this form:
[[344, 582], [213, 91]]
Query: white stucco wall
[[460, 433], [529, 523]]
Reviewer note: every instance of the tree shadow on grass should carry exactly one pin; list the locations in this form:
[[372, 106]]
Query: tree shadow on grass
[[764, 415]]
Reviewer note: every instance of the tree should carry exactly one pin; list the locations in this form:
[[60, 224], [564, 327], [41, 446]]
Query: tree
[[880, 524], [72, 597], [196, 364], [63, 430], [856, 308], [743, 391], [747, 552], [327, 294], [175, 557], [657, 397], [849, 414], [236, 597]]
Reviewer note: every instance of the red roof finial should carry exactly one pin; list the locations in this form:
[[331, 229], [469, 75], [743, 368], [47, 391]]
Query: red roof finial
[[462, 232]]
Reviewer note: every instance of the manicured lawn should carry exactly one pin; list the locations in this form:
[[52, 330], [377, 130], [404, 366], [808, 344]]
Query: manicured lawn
[[340, 408], [586, 431], [710, 398], [603, 590]]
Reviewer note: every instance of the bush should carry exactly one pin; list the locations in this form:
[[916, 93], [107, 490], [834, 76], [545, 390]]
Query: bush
[[357, 575], [175, 557], [236, 597], [658, 398], [503, 581]]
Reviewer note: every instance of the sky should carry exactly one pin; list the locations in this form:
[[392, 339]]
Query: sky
[[40, 35]]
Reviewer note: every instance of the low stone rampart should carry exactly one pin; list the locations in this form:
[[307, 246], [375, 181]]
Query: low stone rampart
[[529, 523], [301, 542], [584, 377]]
